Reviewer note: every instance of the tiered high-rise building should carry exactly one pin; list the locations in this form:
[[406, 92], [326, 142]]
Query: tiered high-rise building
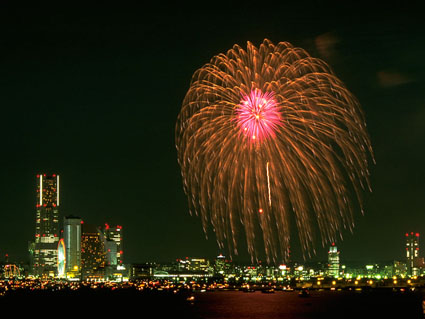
[[44, 249]]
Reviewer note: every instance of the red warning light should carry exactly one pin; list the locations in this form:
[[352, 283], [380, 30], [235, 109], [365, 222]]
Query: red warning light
[[417, 234]]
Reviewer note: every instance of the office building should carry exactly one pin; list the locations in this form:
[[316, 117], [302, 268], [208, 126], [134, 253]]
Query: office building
[[44, 249], [222, 265], [333, 261], [412, 253], [92, 253], [72, 239], [112, 237], [199, 265]]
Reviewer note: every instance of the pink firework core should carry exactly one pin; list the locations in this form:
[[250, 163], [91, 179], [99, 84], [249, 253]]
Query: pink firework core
[[258, 115]]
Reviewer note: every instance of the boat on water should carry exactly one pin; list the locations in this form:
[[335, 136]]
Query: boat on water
[[248, 290], [304, 293]]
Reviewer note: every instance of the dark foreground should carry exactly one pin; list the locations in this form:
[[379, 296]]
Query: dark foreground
[[320, 304], [217, 304]]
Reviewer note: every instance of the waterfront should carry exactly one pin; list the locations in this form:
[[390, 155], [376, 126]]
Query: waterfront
[[220, 303]]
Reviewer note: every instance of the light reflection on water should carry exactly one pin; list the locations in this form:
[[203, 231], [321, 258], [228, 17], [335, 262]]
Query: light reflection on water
[[320, 304]]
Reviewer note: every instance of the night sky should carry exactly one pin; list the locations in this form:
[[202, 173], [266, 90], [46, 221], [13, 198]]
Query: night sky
[[93, 93]]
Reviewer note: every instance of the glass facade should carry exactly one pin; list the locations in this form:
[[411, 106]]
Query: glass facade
[[72, 239]]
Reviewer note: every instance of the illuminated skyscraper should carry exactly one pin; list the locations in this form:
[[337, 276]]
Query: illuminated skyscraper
[[45, 247], [333, 261], [221, 265], [72, 240], [92, 253], [412, 253], [112, 237]]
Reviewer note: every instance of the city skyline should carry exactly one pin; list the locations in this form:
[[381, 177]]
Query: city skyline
[[94, 96]]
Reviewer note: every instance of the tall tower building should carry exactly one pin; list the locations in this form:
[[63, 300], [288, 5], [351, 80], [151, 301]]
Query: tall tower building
[[333, 261], [45, 246], [412, 253], [72, 240]]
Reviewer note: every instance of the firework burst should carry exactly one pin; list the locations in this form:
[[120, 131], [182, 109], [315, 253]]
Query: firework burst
[[267, 136]]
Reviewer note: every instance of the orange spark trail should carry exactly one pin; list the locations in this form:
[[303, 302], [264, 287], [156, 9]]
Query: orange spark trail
[[273, 104]]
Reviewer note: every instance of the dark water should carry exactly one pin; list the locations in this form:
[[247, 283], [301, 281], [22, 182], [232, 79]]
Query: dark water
[[320, 304], [217, 304]]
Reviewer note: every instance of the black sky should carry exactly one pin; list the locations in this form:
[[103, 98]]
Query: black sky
[[92, 94]]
